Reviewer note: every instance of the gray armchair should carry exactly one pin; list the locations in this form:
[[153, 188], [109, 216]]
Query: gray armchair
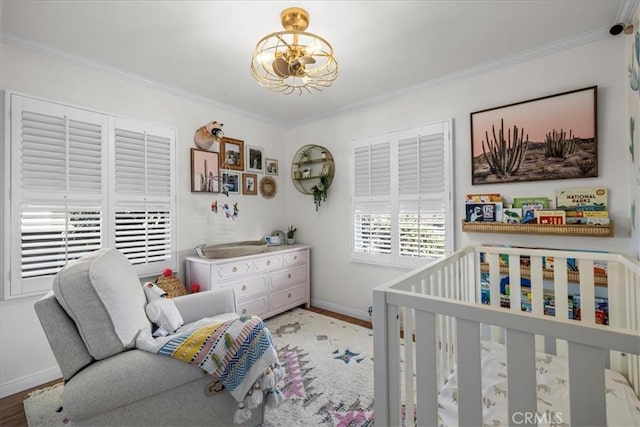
[[91, 320]]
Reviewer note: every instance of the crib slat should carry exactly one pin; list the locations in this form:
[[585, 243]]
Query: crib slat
[[426, 373], [494, 290], [587, 297], [469, 377], [393, 363], [409, 367], [561, 296], [586, 386], [521, 373], [515, 296]]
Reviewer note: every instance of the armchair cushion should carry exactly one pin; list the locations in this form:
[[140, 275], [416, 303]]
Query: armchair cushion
[[102, 294]]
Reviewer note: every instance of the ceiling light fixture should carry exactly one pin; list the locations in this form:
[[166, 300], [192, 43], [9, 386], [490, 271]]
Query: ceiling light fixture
[[293, 60]]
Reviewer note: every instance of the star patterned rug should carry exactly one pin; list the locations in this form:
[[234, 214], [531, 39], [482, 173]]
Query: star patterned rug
[[328, 380]]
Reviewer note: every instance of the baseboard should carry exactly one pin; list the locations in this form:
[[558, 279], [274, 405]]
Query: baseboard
[[24, 383], [347, 311]]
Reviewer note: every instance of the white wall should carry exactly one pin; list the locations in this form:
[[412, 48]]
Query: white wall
[[345, 286], [25, 357], [24, 352]]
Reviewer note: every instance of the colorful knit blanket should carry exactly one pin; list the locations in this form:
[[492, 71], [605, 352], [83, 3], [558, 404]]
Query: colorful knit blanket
[[239, 353]]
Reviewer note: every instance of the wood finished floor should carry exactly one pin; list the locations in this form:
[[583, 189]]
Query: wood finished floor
[[12, 411]]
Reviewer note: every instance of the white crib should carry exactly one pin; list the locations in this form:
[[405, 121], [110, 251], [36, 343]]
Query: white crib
[[439, 307]]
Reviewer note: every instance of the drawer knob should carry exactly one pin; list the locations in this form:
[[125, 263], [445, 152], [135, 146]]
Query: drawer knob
[[235, 269], [244, 311], [289, 295], [268, 262], [289, 276], [295, 257], [244, 287]]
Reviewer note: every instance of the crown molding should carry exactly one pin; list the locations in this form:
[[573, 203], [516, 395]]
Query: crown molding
[[81, 61], [517, 58], [504, 62], [626, 11]]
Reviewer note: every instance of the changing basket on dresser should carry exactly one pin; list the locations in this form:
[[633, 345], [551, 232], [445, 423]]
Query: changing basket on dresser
[[265, 284]]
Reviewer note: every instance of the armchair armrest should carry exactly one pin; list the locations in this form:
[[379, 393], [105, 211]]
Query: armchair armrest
[[194, 307]]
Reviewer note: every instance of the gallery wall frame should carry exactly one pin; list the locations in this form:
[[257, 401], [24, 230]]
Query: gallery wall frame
[[547, 138], [271, 166], [255, 159], [230, 182], [250, 184], [231, 154], [204, 171]]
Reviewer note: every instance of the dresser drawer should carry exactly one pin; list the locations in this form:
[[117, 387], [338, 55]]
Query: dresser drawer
[[255, 307], [267, 263], [233, 269], [248, 287], [288, 297], [294, 258], [286, 278]]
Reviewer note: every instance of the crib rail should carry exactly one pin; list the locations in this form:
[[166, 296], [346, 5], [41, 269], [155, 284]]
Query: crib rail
[[437, 310]]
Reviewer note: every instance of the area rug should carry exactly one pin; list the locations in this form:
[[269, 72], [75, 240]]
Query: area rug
[[328, 381]]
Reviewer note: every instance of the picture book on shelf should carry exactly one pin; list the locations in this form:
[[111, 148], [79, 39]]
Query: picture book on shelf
[[582, 199], [481, 212], [512, 215], [550, 217], [529, 206]]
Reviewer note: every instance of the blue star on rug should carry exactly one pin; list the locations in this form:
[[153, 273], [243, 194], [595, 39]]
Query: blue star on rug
[[346, 356]]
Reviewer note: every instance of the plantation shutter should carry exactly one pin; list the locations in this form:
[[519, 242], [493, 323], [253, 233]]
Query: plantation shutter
[[401, 193], [421, 186], [144, 208], [372, 210], [57, 188]]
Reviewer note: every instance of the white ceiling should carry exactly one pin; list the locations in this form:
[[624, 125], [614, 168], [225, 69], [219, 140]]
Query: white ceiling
[[203, 48]]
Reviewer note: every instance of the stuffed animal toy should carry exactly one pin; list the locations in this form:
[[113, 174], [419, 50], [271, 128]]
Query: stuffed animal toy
[[161, 310], [206, 135]]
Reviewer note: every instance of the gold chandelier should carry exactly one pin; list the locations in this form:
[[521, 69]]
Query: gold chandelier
[[293, 60]]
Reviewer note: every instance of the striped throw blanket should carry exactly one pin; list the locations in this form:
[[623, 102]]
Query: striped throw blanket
[[240, 353]]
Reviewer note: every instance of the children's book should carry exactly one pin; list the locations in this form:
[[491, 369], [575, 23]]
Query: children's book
[[582, 199], [550, 217], [512, 215], [529, 206]]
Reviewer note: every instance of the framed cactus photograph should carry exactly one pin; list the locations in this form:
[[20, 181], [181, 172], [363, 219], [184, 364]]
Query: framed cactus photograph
[[552, 137]]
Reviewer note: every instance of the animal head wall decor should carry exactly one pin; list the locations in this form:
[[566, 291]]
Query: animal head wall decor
[[206, 135]]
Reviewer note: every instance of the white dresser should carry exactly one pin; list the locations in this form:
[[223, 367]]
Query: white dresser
[[265, 284]]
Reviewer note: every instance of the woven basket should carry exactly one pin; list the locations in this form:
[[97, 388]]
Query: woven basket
[[171, 285]]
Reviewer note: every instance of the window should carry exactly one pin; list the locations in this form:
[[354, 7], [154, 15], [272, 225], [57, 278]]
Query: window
[[81, 180], [401, 196]]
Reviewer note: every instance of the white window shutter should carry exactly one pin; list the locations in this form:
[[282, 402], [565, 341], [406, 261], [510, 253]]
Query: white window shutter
[[57, 189], [81, 180], [421, 229], [144, 208], [400, 196]]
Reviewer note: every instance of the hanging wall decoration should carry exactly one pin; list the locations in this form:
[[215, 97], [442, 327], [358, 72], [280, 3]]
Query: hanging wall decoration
[[268, 187], [206, 135], [553, 137], [204, 171], [232, 154]]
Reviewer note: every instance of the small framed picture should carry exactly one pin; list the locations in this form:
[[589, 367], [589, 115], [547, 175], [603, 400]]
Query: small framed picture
[[204, 171], [230, 182], [255, 159], [250, 184], [271, 166], [231, 154]]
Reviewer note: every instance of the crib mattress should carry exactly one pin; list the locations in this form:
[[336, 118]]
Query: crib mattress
[[623, 406]]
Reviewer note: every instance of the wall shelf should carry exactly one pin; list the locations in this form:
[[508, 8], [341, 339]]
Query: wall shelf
[[545, 229], [317, 162]]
